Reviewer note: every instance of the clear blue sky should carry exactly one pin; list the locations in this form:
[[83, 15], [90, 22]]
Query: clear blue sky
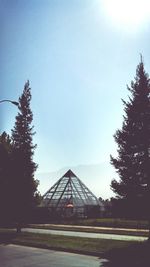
[[78, 55]]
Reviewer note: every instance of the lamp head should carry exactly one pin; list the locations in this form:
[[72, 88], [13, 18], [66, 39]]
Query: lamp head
[[15, 103]]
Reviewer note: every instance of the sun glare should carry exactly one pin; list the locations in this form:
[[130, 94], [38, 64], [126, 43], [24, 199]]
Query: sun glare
[[129, 14]]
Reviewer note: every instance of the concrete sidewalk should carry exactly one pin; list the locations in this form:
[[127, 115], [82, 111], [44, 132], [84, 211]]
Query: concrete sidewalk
[[83, 227], [85, 234], [22, 256]]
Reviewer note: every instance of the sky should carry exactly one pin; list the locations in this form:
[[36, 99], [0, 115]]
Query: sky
[[79, 56]]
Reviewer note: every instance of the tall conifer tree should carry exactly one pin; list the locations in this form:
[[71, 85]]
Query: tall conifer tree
[[133, 140], [24, 184], [5, 178]]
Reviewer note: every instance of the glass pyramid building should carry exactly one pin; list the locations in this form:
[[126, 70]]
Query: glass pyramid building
[[69, 196]]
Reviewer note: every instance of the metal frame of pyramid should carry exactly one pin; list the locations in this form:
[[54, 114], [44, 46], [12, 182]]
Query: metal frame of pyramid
[[70, 196]]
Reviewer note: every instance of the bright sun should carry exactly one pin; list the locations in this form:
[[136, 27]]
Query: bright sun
[[129, 14]]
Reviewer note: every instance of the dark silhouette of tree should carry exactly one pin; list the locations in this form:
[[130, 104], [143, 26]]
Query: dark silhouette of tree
[[5, 165], [133, 161], [24, 187], [6, 142]]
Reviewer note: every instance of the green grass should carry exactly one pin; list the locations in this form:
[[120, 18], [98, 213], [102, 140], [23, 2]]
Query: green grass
[[72, 244], [119, 253], [106, 222], [115, 222]]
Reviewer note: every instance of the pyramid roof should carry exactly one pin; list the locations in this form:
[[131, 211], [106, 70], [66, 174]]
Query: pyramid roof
[[69, 191]]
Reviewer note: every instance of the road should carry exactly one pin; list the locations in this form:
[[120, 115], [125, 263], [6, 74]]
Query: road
[[84, 234], [21, 256]]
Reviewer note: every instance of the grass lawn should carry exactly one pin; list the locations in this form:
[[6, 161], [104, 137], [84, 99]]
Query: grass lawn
[[119, 253], [112, 222], [65, 243]]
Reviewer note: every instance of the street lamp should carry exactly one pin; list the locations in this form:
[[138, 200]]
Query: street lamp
[[13, 102]]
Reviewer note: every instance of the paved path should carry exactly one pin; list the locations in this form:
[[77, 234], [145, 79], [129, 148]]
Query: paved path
[[83, 234], [21, 256], [92, 227]]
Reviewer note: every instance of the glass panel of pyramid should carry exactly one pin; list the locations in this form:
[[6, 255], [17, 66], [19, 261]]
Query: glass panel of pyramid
[[69, 191]]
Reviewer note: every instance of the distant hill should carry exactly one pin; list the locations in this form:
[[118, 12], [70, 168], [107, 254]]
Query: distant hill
[[96, 177]]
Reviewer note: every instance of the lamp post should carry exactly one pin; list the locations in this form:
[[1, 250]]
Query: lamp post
[[7, 100]]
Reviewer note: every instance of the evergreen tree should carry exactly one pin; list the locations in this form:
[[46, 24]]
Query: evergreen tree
[[5, 165], [24, 187], [133, 140]]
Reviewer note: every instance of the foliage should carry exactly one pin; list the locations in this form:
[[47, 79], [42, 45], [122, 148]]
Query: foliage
[[5, 164], [24, 186], [133, 255], [5, 142], [133, 140]]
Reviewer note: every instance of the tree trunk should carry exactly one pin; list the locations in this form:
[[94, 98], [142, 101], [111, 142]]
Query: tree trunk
[[18, 228]]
